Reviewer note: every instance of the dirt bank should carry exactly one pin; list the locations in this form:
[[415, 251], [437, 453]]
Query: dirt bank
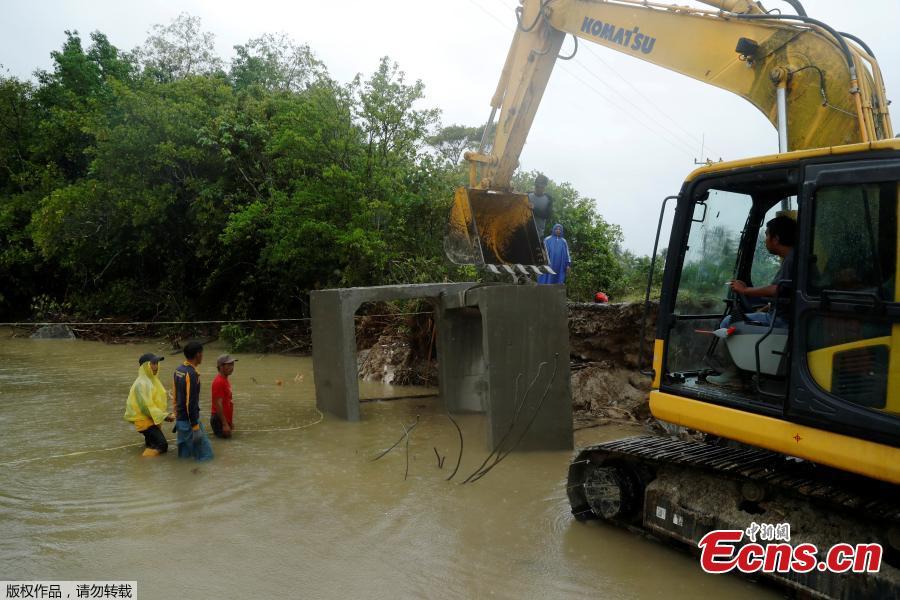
[[400, 349], [604, 345]]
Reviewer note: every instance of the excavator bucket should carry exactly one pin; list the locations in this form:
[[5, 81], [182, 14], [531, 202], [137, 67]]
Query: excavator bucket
[[495, 231]]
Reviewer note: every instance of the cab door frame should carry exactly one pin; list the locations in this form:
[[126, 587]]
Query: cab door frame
[[808, 403]]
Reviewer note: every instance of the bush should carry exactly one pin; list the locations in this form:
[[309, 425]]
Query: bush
[[241, 340]]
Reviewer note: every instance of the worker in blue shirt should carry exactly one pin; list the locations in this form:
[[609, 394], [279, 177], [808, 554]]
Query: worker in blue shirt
[[192, 440]]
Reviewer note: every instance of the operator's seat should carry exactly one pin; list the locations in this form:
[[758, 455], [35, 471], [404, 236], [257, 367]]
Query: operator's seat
[[742, 347]]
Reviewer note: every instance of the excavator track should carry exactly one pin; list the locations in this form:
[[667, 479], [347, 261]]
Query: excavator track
[[681, 490]]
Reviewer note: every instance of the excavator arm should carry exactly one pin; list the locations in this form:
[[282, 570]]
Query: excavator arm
[[818, 86], [832, 87]]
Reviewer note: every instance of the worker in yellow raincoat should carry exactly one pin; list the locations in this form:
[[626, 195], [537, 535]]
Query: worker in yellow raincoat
[[147, 405]]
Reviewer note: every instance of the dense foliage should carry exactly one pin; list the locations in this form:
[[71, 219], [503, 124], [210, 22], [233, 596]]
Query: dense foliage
[[163, 182]]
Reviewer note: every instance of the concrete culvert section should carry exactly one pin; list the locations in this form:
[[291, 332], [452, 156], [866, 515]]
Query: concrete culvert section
[[503, 350]]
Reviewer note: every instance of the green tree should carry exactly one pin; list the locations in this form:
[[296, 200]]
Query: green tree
[[180, 49], [21, 269], [450, 142], [163, 183], [275, 63]]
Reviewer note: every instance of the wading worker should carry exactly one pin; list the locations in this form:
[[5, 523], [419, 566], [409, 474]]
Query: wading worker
[[192, 440], [147, 405], [541, 204], [558, 257], [221, 417]]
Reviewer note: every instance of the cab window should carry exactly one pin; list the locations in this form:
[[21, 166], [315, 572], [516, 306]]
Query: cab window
[[852, 348], [854, 243]]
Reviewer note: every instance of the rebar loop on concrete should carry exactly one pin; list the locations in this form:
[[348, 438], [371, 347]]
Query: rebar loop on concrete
[[512, 423], [458, 458]]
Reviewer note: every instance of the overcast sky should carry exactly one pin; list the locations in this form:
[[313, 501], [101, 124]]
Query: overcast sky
[[619, 130]]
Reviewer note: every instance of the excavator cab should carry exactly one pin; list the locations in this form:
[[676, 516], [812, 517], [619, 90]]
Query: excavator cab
[[829, 357], [815, 430], [725, 241]]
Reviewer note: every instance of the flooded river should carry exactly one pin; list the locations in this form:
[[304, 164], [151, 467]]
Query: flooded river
[[293, 506]]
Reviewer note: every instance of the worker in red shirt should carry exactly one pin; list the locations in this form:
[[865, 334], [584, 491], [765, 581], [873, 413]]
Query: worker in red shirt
[[222, 414]]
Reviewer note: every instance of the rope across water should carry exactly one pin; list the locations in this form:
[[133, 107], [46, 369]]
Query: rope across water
[[95, 451]]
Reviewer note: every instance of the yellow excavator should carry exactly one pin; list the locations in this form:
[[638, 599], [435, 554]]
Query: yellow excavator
[[810, 435]]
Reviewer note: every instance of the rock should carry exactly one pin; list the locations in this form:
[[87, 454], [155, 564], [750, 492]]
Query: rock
[[605, 389], [53, 332], [383, 360], [392, 360]]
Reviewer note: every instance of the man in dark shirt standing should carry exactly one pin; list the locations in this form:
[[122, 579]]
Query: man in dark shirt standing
[[192, 440], [541, 204]]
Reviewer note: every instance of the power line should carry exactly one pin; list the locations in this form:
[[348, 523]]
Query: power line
[[692, 137], [691, 143], [124, 323], [172, 441], [674, 141], [220, 322]]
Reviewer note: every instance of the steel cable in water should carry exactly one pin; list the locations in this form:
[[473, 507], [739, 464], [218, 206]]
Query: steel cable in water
[[512, 423], [402, 437], [171, 441], [537, 409]]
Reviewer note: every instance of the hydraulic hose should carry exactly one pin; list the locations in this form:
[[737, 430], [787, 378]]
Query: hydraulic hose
[[795, 4]]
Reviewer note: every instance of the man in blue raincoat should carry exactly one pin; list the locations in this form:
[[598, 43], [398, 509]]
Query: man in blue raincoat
[[558, 257]]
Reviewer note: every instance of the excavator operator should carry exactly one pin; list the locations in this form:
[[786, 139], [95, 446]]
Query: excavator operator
[[781, 236]]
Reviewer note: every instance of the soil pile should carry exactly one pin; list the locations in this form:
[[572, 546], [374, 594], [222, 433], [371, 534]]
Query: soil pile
[[605, 346], [403, 351]]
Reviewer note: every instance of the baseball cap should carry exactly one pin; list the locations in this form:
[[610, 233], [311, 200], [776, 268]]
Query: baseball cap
[[225, 359], [149, 356]]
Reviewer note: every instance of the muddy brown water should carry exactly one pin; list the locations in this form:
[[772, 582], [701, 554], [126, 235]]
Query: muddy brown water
[[294, 506]]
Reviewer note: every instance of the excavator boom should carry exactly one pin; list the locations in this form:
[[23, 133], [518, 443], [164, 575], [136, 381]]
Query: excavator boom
[[834, 93], [818, 87]]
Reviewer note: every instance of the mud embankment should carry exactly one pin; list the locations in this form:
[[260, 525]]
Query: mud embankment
[[400, 349], [604, 350], [604, 346]]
